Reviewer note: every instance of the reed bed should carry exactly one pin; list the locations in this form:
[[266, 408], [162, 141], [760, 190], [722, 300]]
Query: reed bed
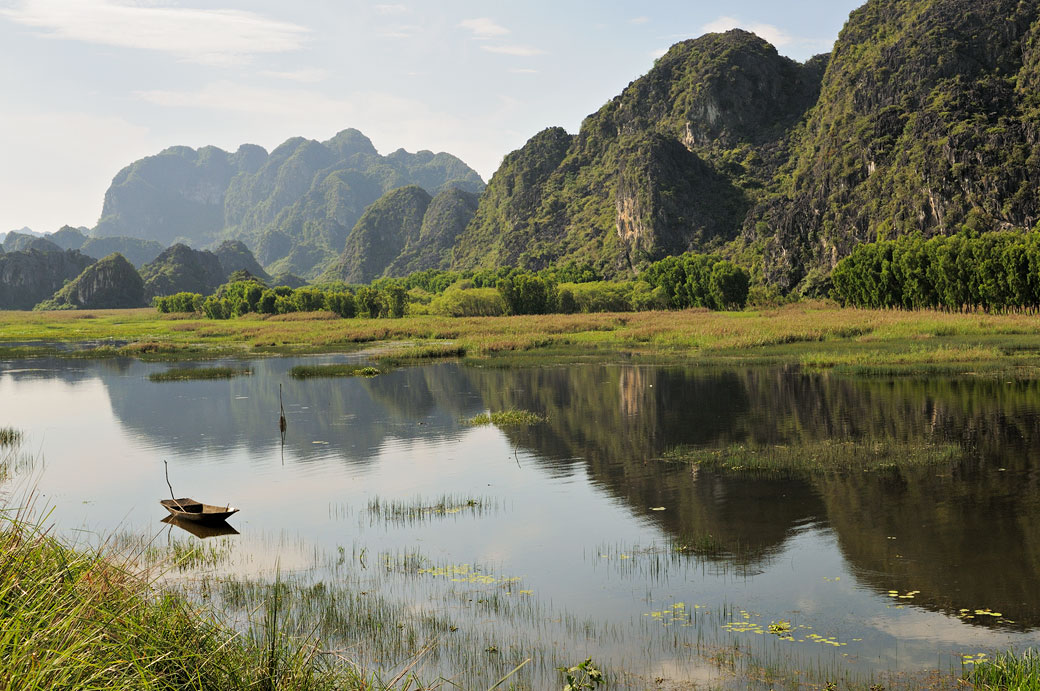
[[507, 418], [418, 509], [819, 457], [1009, 670], [77, 619], [199, 373], [10, 437], [320, 371]]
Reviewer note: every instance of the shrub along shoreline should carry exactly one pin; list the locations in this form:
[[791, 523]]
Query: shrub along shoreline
[[689, 280]]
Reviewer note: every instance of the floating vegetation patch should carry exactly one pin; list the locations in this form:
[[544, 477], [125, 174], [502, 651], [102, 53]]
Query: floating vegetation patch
[[311, 371], [507, 418], [820, 456], [419, 510], [676, 615], [467, 573], [193, 373]]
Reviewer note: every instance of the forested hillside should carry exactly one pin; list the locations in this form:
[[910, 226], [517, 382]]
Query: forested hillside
[[923, 119]]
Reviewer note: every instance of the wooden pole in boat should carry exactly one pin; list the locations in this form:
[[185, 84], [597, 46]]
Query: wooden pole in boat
[[167, 466], [172, 496]]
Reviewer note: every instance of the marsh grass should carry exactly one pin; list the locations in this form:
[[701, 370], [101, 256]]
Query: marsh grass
[[312, 371], [198, 373], [421, 353], [10, 437], [507, 418], [814, 334], [1009, 670], [75, 618], [418, 510], [819, 457]]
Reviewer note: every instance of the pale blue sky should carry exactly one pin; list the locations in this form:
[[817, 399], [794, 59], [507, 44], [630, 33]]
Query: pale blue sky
[[91, 85]]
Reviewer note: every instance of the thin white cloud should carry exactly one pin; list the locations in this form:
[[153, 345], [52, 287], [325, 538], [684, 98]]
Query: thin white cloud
[[484, 28], [304, 76], [774, 34], [521, 51], [659, 53], [639, 20], [523, 70], [390, 9], [207, 36], [780, 38]]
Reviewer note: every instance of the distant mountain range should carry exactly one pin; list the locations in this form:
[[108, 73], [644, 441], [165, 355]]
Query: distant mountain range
[[924, 118], [293, 207]]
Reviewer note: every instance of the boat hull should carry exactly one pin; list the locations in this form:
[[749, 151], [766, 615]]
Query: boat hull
[[197, 512]]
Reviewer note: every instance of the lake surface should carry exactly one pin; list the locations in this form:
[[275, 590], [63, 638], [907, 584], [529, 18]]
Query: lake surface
[[576, 537]]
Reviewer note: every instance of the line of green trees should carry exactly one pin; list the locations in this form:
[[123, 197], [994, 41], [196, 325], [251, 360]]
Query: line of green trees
[[994, 271], [691, 280]]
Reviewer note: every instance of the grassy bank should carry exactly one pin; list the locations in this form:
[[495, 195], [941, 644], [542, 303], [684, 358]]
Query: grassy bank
[[76, 619], [814, 335]]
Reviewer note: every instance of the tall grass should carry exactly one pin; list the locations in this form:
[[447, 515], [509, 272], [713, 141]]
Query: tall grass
[[77, 619], [1009, 670]]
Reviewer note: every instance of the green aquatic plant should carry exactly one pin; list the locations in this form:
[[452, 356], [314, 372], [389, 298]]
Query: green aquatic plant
[[1008, 670], [419, 509], [582, 677], [312, 371], [825, 456], [507, 418], [9, 436], [193, 373]]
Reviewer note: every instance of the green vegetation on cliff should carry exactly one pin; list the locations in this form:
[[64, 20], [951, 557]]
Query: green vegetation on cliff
[[927, 122], [111, 283], [670, 165], [182, 269], [27, 278]]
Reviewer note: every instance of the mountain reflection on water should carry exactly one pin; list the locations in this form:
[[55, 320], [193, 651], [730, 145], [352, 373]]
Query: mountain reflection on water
[[966, 534]]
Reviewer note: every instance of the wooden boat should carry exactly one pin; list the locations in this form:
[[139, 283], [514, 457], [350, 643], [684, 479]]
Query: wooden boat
[[196, 511]]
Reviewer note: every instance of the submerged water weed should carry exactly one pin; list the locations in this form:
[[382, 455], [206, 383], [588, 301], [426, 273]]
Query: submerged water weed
[[10, 437], [312, 371], [1008, 670], [418, 509], [194, 373], [507, 418], [819, 457]]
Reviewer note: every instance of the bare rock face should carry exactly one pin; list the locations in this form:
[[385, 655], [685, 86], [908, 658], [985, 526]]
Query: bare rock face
[[672, 164], [111, 283], [30, 276]]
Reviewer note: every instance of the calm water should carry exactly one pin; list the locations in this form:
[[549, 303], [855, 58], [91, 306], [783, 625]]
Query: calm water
[[572, 508]]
